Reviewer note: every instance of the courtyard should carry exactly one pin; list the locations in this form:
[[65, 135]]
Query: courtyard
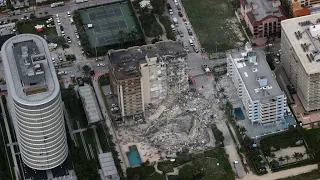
[[103, 24]]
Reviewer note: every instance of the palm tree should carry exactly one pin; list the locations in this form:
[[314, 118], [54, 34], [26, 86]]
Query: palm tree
[[272, 155], [300, 156], [287, 158], [296, 156], [281, 159], [242, 130]]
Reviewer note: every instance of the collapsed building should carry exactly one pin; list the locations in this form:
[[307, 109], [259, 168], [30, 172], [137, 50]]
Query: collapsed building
[[141, 76]]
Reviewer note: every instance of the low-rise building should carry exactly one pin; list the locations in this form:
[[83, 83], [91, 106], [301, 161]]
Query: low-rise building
[[90, 104], [262, 16], [143, 75], [261, 96]]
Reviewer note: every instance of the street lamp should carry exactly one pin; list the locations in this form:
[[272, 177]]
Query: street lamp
[[95, 47]]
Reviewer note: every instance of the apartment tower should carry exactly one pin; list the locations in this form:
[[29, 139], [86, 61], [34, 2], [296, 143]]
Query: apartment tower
[[301, 57], [143, 75], [261, 96], [35, 101]]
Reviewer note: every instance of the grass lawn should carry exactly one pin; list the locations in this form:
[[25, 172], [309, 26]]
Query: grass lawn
[[311, 137], [156, 176], [27, 27], [282, 140], [214, 23], [209, 161]]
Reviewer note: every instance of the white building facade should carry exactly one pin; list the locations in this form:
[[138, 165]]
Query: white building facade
[[35, 101], [261, 96]]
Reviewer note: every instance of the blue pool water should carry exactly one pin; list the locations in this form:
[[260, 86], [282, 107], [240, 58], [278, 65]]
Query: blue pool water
[[133, 156], [239, 114]]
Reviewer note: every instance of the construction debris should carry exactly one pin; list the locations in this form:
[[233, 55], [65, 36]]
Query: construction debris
[[180, 121]]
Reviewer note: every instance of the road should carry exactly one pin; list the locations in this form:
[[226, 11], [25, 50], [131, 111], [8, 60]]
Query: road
[[70, 6]]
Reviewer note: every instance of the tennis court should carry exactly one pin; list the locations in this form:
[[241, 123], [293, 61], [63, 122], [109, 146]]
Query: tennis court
[[107, 21]]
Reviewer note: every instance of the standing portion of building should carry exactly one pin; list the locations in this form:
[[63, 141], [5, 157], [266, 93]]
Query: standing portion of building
[[143, 75], [262, 16], [34, 96], [262, 98], [301, 57]]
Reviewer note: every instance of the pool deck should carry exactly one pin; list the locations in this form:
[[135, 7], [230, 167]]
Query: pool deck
[[146, 152]]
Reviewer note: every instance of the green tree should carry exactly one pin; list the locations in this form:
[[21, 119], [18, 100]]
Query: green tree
[[155, 31], [281, 159], [287, 158], [86, 69], [272, 155], [158, 6], [46, 13], [296, 156], [186, 172]]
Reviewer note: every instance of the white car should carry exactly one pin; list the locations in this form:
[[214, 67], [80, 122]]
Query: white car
[[57, 15], [82, 51], [276, 61], [62, 72], [69, 15], [58, 21], [170, 11], [53, 60], [101, 64], [77, 36]]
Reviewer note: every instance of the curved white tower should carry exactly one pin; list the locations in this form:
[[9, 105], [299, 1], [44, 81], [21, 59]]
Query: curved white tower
[[34, 95]]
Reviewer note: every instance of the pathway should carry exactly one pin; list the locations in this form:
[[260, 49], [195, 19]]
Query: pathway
[[109, 124], [97, 139], [4, 115], [164, 32], [282, 174]]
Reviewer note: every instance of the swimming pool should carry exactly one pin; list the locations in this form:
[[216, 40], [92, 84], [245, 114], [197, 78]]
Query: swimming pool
[[239, 114], [133, 156]]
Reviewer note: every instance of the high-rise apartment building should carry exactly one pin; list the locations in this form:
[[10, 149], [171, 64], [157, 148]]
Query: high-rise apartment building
[[143, 75], [262, 98], [35, 100], [301, 57]]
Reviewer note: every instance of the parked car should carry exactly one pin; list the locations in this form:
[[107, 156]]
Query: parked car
[[82, 51], [61, 28], [69, 15], [180, 14], [69, 40], [53, 60], [101, 64], [75, 32]]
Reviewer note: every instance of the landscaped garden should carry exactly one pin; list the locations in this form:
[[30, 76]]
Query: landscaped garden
[[286, 149], [312, 138], [28, 27]]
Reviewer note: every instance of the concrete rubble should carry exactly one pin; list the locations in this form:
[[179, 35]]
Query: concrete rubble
[[181, 121]]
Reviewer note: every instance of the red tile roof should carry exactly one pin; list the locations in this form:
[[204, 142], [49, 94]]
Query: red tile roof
[[302, 12], [257, 23]]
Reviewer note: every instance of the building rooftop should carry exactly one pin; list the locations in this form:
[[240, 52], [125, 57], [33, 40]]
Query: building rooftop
[[125, 63], [303, 34], [264, 8], [108, 166], [30, 73], [256, 75], [90, 104]]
